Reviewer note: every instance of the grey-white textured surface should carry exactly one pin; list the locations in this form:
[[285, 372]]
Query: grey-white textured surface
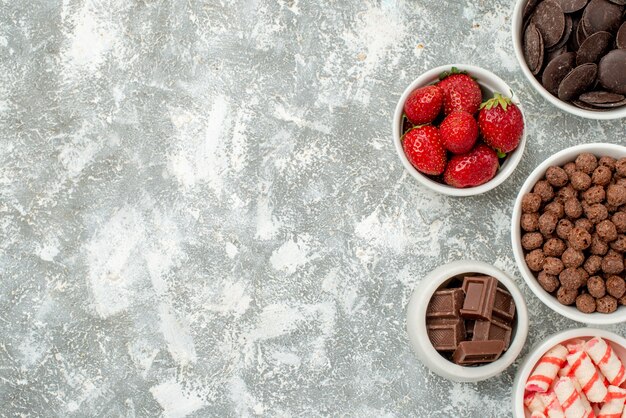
[[202, 212]]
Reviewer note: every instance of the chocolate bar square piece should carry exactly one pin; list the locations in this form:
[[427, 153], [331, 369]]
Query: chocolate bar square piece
[[492, 330], [503, 306], [445, 334], [476, 352], [480, 294], [445, 304]]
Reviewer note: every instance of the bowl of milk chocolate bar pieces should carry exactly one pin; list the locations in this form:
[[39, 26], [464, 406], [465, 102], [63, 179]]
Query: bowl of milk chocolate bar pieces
[[467, 321]]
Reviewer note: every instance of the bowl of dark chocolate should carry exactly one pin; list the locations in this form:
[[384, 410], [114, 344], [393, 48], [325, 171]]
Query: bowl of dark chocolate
[[573, 52], [467, 321], [576, 268]]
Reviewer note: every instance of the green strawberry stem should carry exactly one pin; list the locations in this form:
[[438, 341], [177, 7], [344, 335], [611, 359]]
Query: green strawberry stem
[[453, 70], [500, 154], [497, 100]]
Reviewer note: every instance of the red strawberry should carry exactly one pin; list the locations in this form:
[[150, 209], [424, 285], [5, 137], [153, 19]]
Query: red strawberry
[[460, 92], [423, 105], [459, 132], [473, 168], [422, 146], [501, 124]]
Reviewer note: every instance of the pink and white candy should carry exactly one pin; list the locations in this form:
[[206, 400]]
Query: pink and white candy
[[614, 407], [607, 361], [570, 398], [546, 370], [587, 375], [553, 406]]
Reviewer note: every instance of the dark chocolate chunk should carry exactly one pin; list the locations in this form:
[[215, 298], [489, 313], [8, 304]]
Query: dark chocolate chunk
[[571, 6], [620, 2], [480, 294], [503, 306], [593, 48], [445, 304], [492, 330], [556, 70], [529, 7], [580, 34], [601, 15], [533, 49], [600, 97], [620, 39], [566, 34], [550, 20], [476, 352], [446, 335], [552, 54], [612, 71], [608, 106], [583, 105], [573, 40], [579, 80]]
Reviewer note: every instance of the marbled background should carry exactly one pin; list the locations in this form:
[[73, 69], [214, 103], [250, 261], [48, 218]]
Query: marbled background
[[202, 212]]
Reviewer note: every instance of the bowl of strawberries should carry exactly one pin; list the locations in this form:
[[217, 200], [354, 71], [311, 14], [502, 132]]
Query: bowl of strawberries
[[459, 130]]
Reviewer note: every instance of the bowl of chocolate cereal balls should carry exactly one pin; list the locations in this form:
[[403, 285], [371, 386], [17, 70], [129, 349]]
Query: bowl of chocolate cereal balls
[[569, 233]]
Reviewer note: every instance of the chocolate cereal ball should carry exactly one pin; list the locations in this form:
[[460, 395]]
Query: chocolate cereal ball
[[570, 168], [554, 247], [566, 193], [619, 244], [586, 303], [615, 195], [531, 203], [544, 190], [566, 296], [598, 247], [615, 286], [573, 208], [593, 264], [570, 278], [556, 208], [547, 223], [606, 230], [596, 286], [586, 162], [535, 259], [608, 162], [594, 194], [553, 266], [529, 222], [612, 263], [619, 220], [549, 282], [606, 304], [596, 212], [579, 239], [573, 258], [601, 176], [585, 224], [563, 228], [622, 300], [620, 167], [556, 176], [580, 181], [532, 240]]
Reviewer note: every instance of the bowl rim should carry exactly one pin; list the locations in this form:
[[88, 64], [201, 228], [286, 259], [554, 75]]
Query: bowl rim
[[416, 327], [570, 312], [516, 29], [540, 348], [484, 76]]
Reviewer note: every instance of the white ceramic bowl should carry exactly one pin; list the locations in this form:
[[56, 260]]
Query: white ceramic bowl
[[560, 158], [489, 83], [516, 28], [416, 323], [523, 372]]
